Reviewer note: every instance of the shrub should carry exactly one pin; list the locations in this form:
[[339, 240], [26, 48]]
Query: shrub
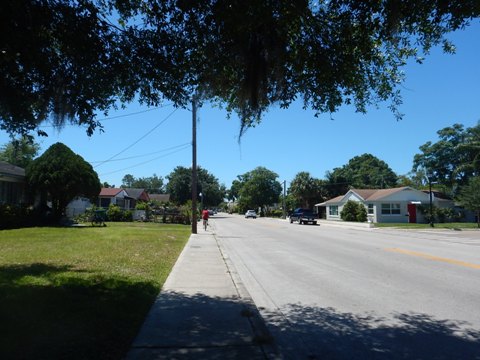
[[142, 205], [114, 213], [86, 216], [362, 213], [446, 215], [276, 213], [353, 211], [15, 216], [440, 215], [349, 212], [186, 212], [127, 215]]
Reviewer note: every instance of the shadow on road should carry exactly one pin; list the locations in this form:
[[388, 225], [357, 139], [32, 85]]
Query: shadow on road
[[324, 333]]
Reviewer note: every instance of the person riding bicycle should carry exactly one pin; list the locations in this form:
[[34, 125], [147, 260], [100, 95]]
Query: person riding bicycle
[[205, 218]]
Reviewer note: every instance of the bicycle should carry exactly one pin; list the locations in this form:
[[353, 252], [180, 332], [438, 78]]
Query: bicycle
[[205, 224]]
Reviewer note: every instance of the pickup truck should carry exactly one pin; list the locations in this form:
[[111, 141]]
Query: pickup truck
[[303, 216]]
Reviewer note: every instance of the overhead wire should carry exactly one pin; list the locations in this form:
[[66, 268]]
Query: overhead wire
[[139, 139], [120, 116], [134, 113], [142, 155], [185, 146]]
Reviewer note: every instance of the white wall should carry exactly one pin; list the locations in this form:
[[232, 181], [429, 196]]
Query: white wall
[[77, 206]]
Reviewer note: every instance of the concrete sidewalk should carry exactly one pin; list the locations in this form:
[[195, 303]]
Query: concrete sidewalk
[[203, 311]]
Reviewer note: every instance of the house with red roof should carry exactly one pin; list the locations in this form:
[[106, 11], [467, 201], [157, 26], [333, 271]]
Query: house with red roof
[[126, 199], [396, 205], [114, 196]]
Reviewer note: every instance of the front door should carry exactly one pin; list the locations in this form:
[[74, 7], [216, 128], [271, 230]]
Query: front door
[[412, 213]]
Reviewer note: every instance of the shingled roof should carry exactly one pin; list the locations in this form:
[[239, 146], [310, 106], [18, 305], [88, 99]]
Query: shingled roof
[[7, 169], [160, 197], [135, 193], [377, 194], [110, 192], [367, 194]]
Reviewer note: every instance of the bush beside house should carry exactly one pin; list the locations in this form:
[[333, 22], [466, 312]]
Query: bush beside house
[[354, 211]]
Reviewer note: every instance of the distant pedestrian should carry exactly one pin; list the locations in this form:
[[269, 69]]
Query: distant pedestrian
[[205, 215]]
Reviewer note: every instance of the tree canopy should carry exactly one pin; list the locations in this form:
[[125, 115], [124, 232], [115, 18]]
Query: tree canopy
[[179, 186], [469, 196], [68, 60], [453, 159], [362, 172], [60, 175], [307, 190], [152, 184], [19, 152], [258, 188]]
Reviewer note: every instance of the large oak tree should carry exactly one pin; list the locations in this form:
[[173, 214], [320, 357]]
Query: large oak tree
[[68, 60], [179, 186], [362, 172], [453, 159], [258, 188]]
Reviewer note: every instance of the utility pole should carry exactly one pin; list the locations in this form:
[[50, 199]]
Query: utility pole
[[284, 215], [194, 165], [431, 202]]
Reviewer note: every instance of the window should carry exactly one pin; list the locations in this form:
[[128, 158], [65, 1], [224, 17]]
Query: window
[[333, 210], [11, 192], [104, 202], [390, 209], [370, 210]]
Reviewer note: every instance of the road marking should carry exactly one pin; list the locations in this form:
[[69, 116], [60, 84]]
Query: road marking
[[273, 226], [434, 258]]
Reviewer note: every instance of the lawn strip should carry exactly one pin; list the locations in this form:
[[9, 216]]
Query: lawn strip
[[81, 293]]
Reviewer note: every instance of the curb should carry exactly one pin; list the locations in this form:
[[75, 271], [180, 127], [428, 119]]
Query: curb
[[261, 333]]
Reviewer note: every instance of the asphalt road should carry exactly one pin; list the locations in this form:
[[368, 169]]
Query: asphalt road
[[329, 292]]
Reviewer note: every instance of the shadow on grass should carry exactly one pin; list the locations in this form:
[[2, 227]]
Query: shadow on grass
[[324, 333], [52, 312]]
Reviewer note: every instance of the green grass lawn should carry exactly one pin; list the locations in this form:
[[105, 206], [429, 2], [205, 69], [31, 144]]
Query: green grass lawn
[[453, 226], [81, 293]]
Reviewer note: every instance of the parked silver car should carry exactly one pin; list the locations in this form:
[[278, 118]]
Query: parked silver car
[[250, 214]]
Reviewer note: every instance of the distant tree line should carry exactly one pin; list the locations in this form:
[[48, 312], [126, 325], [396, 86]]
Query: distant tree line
[[451, 165]]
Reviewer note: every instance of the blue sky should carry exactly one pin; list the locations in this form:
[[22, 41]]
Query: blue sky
[[142, 142]]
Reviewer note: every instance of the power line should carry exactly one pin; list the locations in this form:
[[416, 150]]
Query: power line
[[137, 156], [138, 140], [134, 113], [146, 162], [120, 116]]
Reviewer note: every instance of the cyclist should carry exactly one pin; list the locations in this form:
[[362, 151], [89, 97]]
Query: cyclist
[[205, 218]]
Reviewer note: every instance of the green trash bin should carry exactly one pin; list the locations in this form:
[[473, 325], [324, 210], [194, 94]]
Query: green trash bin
[[99, 217]]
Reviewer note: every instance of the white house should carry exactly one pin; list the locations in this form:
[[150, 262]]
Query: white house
[[114, 196], [397, 205]]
